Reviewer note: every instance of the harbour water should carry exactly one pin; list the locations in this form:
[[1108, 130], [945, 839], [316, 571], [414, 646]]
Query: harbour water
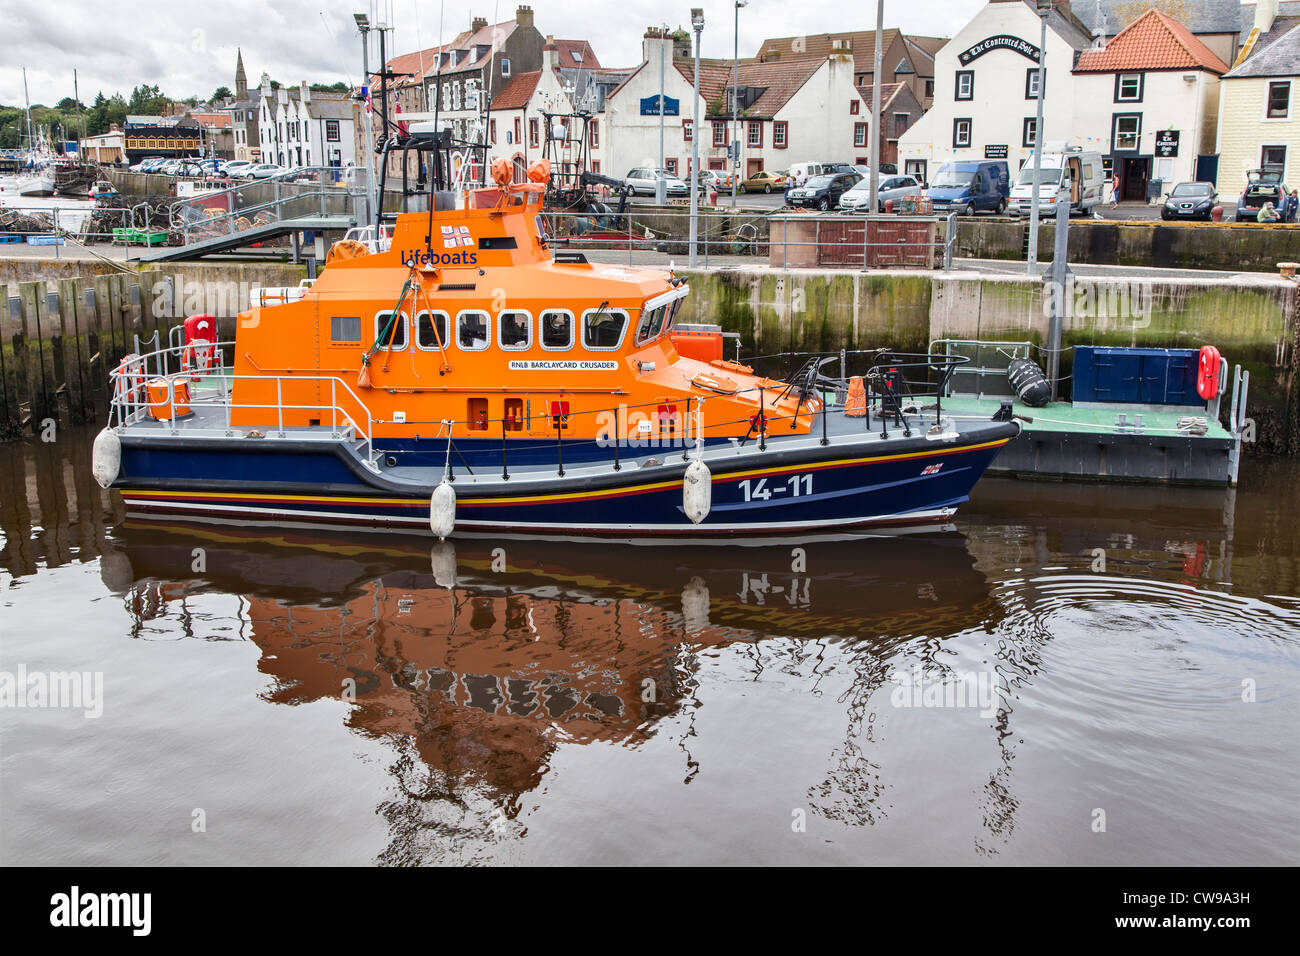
[[72, 212], [1076, 674]]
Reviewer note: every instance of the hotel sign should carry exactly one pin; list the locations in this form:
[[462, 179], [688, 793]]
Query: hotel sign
[[650, 106], [1002, 41], [1167, 142]]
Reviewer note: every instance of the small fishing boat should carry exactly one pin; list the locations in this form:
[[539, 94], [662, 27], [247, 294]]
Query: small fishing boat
[[460, 374], [40, 183]]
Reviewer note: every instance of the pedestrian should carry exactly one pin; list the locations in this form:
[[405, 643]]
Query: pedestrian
[[1114, 191], [1292, 206], [1267, 213]]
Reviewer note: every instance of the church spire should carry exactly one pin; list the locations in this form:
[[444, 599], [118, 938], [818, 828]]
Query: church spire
[[241, 79]]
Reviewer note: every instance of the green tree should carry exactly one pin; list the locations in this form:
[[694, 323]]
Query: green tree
[[221, 93]]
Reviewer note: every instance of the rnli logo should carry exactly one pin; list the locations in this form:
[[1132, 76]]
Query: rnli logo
[[453, 236], [931, 469]]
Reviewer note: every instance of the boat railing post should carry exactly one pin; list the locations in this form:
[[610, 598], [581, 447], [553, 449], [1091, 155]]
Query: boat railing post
[[686, 428], [334, 404], [825, 414], [279, 405], [762, 419], [617, 466], [505, 470], [559, 442]]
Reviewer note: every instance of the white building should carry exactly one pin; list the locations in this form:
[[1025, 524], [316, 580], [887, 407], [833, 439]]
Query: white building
[[796, 109], [985, 97], [1149, 101], [298, 128]]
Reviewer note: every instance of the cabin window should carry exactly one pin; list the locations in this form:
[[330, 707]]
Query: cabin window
[[431, 330], [345, 329], [472, 331], [603, 329], [557, 330], [652, 323], [515, 330], [387, 331]]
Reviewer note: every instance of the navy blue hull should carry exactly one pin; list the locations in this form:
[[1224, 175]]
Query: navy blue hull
[[783, 489]]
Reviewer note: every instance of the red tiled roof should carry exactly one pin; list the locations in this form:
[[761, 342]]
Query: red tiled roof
[[780, 79], [515, 95], [1154, 41], [565, 56]]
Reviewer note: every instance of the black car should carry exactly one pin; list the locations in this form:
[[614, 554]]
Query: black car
[[822, 192], [1189, 201]]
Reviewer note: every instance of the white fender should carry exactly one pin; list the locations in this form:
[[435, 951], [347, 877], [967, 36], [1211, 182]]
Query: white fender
[[695, 605], [442, 509], [697, 491], [106, 457], [442, 562]]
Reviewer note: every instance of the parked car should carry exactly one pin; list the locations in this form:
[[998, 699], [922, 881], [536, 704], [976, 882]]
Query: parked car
[[235, 167], [822, 192], [762, 182], [800, 173], [858, 199], [146, 164], [971, 187], [644, 180], [1262, 186], [1189, 201], [263, 171]]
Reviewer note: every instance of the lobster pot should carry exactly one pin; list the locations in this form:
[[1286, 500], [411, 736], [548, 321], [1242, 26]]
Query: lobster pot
[[160, 404], [1028, 382]]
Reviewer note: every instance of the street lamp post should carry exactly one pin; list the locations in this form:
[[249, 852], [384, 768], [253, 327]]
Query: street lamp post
[[873, 167], [1044, 7], [661, 184], [363, 24], [733, 150], [697, 24]]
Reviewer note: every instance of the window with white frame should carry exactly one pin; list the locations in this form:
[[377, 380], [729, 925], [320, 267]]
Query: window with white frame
[[505, 66], [688, 130], [961, 132], [515, 330], [1031, 83], [1128, 131], [431, 330], [859, 134], [965, 89], [719, 134], [1128, 88], [1279, 100], [472, 330], [780, 134], [754, 135], [556, 330], [390, 333], [1029, 131]]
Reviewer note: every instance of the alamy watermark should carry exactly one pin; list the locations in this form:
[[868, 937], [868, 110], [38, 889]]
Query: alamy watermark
[[976, 690], [1122, 302], [53, 690]]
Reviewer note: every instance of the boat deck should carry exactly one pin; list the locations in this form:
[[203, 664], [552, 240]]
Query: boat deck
[[1088, 442]]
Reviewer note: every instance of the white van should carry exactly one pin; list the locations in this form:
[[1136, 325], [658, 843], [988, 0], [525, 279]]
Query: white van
[[1081, 170], [800, 173]]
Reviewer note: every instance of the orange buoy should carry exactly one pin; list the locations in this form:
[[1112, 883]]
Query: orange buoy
[[855, 406]]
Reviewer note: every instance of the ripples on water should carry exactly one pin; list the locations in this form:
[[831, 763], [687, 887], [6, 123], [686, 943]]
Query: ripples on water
[[365, 698]]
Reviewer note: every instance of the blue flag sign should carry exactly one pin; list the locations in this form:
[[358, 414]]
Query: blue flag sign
[[650, 106]]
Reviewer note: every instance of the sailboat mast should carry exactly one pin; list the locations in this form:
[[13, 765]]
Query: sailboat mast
[[28, 101]]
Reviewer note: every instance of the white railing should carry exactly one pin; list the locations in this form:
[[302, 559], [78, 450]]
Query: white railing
[[131, 403]]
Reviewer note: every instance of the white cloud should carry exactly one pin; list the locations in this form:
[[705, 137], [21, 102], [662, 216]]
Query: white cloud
[[189, 49]]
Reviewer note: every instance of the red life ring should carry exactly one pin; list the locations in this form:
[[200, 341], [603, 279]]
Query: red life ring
[[1207, 378]]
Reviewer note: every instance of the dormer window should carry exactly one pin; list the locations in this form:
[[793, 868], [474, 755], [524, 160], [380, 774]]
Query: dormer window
[[577, 55]]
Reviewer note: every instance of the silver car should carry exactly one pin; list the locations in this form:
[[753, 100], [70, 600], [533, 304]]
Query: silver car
[[644, 180], [892, 187]]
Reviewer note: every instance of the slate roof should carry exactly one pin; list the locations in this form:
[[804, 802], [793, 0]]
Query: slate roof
[[1199, 16], [1276, 53], [1154, 41]]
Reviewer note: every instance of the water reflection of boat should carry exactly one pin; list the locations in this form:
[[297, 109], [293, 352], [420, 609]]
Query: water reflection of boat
[[485, 659]]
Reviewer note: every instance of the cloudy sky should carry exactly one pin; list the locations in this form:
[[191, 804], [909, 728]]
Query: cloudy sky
[[189, 49]]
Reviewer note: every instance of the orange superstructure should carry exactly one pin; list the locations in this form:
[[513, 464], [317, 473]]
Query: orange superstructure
[[495, 333]]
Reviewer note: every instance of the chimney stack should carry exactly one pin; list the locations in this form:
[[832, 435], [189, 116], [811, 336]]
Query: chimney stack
[[478, 23], [550, 53], [1265, 14], [524, 16]]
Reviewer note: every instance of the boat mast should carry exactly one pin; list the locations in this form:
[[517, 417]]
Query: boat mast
[[31, 143]]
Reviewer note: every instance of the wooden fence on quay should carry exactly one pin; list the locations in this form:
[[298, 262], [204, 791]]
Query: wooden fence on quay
[[59, 346]]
